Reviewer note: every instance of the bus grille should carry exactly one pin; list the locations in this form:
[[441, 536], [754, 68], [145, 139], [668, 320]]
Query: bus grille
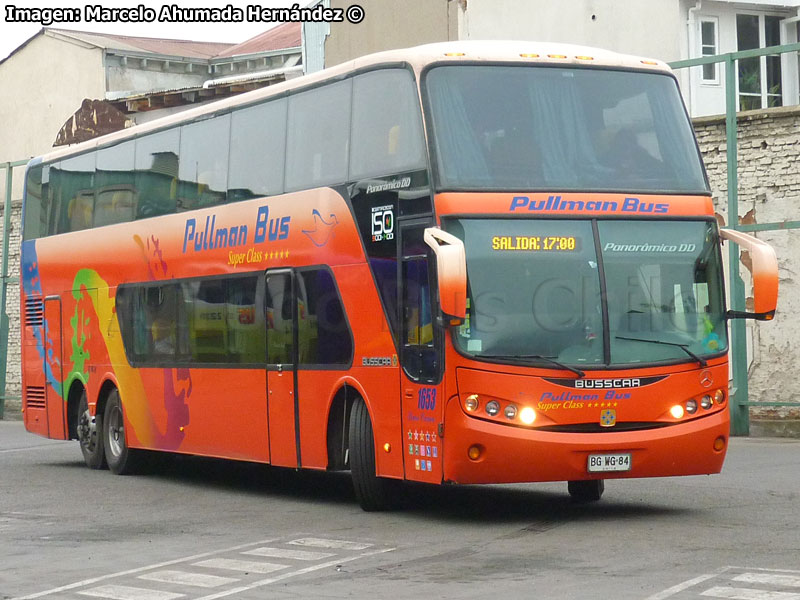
[[597, 428], [34, 397], [34, 312]]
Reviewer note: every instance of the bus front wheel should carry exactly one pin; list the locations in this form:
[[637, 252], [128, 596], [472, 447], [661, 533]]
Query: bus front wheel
[[371, 491], [586, 491], [121, 459]]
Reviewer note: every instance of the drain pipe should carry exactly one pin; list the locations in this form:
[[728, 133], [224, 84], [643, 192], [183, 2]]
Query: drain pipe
[[691, 32]]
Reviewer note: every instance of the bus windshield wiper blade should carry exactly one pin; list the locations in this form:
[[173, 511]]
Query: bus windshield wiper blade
[[683, 347], [546, 359]]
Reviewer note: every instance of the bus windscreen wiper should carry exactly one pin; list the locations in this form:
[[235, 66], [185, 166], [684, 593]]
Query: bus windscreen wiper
[[683, 347], [546, 359]]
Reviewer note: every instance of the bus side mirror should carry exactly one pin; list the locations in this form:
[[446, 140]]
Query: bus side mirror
[[451, 271], [765, 275]]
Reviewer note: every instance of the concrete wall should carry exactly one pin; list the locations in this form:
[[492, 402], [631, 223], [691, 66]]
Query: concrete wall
[[389, 25], [646, 28], [769, 191], [43, 84]]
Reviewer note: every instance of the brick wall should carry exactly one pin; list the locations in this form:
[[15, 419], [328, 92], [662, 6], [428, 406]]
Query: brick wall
[[13, 374], [769, 192]]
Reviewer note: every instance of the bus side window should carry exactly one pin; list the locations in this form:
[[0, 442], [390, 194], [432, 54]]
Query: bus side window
[[278, 308], [318, 139], [114, 185], [323, 332], [157, 173], [386, 136], [203, 168], [76, 183]]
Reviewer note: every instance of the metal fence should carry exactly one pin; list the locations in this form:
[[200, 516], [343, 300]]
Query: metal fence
[[740, 403]]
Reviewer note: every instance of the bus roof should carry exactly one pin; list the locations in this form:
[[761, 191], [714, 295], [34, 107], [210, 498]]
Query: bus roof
[[469, 51]]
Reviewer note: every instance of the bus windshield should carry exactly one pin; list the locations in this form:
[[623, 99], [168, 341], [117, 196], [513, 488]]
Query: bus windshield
[[535, 291], [529, 128]]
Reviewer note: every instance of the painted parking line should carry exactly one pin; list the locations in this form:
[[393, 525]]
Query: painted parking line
[[93, 580], [769, 579], [224, 571], [332, 544], [761, 584], [201, 580], [281, 577], [734, 593], [285, 553], [124, 592], [244, 566]]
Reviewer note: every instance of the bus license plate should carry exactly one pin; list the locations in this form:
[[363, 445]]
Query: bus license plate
[[601, 463]]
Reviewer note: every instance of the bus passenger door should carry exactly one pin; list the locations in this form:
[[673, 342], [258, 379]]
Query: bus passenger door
[[281, 319], [421, 361], [56, 405]]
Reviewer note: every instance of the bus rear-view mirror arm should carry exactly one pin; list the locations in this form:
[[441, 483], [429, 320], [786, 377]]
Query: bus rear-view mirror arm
[[765, 275], [451, 271]]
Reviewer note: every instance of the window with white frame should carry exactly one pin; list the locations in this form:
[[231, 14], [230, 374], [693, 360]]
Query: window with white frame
[[709, 46], [759, 78]]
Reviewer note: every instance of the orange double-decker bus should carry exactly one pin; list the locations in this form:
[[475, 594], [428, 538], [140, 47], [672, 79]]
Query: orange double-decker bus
[[471, 262]]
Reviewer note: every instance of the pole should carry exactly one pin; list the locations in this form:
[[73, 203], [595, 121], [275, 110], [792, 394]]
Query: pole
[[740, 412]]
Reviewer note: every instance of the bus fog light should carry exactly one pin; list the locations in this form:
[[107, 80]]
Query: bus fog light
[[471, 402], [676, 411], [474, 452], [527, 415], [510, 412], [706, 402], [691, 407], [492, 408], [719, 444], [719, 396]]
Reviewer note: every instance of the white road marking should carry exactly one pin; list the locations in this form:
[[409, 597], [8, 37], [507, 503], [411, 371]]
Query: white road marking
[[290, 554], [283, 576], [748, 594], [769, 579], [124, 592], [190, 579], [676, 589], [245, 566], [332, 544], [93, 580]]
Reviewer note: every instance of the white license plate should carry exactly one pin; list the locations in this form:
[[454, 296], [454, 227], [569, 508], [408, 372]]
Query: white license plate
[[603, 463]]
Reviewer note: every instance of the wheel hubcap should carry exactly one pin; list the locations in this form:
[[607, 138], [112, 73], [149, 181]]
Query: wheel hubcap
[[87, 431], [116, 432]]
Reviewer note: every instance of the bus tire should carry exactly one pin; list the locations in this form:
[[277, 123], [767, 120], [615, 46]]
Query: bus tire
[[90, 435], [371, 491], [586, 491], [121, 459]]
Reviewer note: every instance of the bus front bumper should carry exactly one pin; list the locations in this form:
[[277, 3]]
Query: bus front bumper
[[509, 454]]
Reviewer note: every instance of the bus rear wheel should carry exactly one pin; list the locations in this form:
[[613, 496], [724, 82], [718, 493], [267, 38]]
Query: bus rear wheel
[[372, 492], [90, 435], [586, 491], [121, 459]]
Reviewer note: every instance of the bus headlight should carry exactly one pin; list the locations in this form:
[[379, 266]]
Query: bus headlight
[[527, 415], [706, 402], [676, 411], [492, 408], [510, 412], [691, 407], [471, 402]]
